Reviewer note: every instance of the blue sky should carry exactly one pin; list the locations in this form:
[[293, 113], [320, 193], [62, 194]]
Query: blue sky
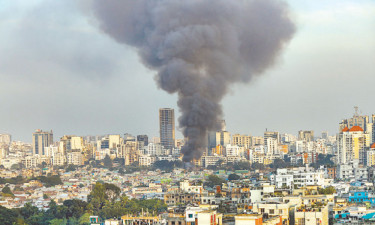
[[58, 71]]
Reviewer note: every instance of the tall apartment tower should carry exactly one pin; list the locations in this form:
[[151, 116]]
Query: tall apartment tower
[[271, 134], [41, 139], [306, 135], [373, 128], [167, 131], [356, 120]]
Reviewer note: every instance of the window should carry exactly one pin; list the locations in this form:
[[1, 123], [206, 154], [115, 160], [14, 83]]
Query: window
[[190, 215], [301, 221], [272, 211]]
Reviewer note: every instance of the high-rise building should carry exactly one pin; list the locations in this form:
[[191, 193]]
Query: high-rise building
[[325, 135], [356, 120], [352, 145], [167, 128], [242, 140], [142, 141], [5, 138], [373, 128], [271, 134], [257, 141], [41, 139], [143, 138], [306, 135], [129, 137]]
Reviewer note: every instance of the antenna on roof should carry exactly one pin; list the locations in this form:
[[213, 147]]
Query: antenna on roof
[[356, 111]]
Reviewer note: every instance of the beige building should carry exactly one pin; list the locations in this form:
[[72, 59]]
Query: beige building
[[306, 135], [311, 216], [75, 158], [352, 145], [371, 155], [129, 152], [242, 140], [274, 209], [41, 139], [76, 143], [146, 160], [257, 141]]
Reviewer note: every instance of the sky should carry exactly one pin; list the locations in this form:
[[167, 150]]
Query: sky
[[59, 72]]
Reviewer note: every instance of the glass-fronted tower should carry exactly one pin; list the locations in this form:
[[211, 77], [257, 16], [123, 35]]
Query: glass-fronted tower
[[167, 128]]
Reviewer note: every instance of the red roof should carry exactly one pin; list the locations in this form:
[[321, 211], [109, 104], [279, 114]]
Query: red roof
[[355, 128], [345, 129], [373, 145]]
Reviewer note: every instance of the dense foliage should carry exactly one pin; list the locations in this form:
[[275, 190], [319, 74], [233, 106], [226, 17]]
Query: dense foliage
[[213, 181], [279, 163], [327, 191], [323, 160], [48, 181], [233, 176], [13, 180], [168, 166], [104, 201]]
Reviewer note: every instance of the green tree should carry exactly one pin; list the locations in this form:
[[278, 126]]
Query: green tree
[[279, 163], [121, 171], [8, 216], [241, 165], [214, 180], [107, 161], [327, 191], [257, 166], [28, 210], [58, 222], [112, 191], [233, 176], [15, 167], [84, 219], [70, 168], [6, 190], [75, 208]]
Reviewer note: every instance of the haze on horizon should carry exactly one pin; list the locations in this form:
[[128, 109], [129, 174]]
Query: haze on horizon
[[59, 72]]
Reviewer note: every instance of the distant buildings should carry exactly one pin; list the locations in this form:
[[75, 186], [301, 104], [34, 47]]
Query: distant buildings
[[41, 139], [356, 120], [167, 127], [297, 177], [307, 135], [271, 134], [352, 145], [5, 139]]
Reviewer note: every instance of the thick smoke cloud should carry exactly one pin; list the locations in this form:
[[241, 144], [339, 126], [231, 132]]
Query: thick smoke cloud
[[199, 48]]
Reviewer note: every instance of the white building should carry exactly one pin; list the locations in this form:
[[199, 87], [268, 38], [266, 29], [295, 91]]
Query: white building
[[146, 160], [75, 158], [301, 176], [352, 145], [234, 150]]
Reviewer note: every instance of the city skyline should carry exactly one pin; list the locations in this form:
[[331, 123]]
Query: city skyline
[[260, 133], [67, 94], [198, 112]]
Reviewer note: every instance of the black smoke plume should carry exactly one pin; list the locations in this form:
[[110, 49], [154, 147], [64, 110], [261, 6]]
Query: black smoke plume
[[199, 48]]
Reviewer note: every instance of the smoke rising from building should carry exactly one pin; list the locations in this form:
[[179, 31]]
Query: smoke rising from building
[[199, 48]]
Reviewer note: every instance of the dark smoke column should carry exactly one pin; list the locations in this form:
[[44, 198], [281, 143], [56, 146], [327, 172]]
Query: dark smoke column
[[199, 48]]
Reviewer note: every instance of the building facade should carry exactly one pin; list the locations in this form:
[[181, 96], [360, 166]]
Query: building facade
[[41, 139], [167, 127]]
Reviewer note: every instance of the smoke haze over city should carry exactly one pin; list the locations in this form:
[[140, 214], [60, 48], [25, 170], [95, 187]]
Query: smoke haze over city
[[59, 72]]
